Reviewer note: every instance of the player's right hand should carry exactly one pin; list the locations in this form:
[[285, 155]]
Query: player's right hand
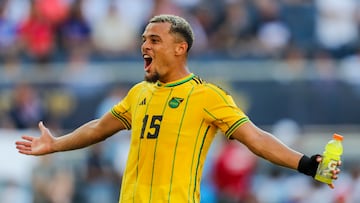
[[42, 145]]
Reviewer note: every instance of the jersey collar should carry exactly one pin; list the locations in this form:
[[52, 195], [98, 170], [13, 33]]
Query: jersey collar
[[176, 82]]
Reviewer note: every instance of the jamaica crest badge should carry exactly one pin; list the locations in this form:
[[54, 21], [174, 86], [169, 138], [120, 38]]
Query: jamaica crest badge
[[175, 102]]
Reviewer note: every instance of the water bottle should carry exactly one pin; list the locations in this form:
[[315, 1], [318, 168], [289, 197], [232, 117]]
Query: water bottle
[[331, 156]]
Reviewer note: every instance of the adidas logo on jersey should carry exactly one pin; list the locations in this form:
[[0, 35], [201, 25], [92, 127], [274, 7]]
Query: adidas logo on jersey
[[143, 102]]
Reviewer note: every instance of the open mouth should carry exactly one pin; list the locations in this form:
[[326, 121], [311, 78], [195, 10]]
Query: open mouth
[[147, 60]]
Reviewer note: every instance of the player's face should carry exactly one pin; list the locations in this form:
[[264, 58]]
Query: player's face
[[158, 51]]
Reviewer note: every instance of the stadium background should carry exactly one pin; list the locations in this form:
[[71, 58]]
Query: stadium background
[[292, 65]]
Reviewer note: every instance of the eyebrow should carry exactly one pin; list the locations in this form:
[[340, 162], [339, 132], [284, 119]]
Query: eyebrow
[[152, 35]]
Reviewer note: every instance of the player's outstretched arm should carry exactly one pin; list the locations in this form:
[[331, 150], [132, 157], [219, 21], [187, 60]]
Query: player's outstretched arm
[[267, 146], [272, 149], [86, 135]]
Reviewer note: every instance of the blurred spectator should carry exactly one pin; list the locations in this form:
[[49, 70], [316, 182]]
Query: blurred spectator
[[318, 192], [51, 184], [13, 192], [296, 188], [353, 193], [233, 35], [93, 10], [136, 10], [337, 26], [116, 94], [114, 35], [349, 70], [12, 68], [292, 69], [42, 174], [288, 131], [26, 107], [81, 78], [17, 10], [75, 32], [234, 169], [139, 11], [326, 89], [60, 104], [9, 41], [201, 44], [55, 11], [8, 34], [293, 66], [299, 17], [188, 4], [117, 149], [6, 122], [101, 180], [271, 187], [165, 6], [324, 66], [37, 36], [272, 33], [61, 187], [208, 15]]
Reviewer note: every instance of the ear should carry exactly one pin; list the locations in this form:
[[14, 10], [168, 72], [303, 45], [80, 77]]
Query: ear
[[181, 48]]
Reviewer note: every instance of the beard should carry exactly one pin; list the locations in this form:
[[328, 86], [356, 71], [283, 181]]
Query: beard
[[152, 78]]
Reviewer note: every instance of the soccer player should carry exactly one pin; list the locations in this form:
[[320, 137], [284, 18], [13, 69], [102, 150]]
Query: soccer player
[[173, 116]]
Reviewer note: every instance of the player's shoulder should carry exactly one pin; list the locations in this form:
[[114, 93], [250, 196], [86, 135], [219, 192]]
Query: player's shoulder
[[136, 88], [214, 88], [141, 85], [209, 88]]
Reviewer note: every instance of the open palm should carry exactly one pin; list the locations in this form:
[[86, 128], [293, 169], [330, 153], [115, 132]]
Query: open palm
[[36, 145]]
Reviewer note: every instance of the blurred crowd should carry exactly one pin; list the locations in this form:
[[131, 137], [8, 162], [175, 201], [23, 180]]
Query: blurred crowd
[[78, 32], [43, 31]]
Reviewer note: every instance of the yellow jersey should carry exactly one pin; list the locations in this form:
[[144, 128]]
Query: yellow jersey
[[172, 126]]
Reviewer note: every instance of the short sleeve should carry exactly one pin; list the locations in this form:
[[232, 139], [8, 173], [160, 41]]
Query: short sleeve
[[123, 109], [222, 111]]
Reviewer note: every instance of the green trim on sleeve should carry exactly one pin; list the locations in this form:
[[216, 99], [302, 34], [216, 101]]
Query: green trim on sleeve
[[122, 119], [231, 130]]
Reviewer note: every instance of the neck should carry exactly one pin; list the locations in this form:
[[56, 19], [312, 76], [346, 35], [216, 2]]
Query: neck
[[175, 75]]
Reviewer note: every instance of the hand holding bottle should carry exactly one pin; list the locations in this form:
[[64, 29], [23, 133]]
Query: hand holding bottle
[[325, 167], [328, 165]]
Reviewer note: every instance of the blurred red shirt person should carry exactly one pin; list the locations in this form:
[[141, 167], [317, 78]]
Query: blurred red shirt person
[[233, 172]]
